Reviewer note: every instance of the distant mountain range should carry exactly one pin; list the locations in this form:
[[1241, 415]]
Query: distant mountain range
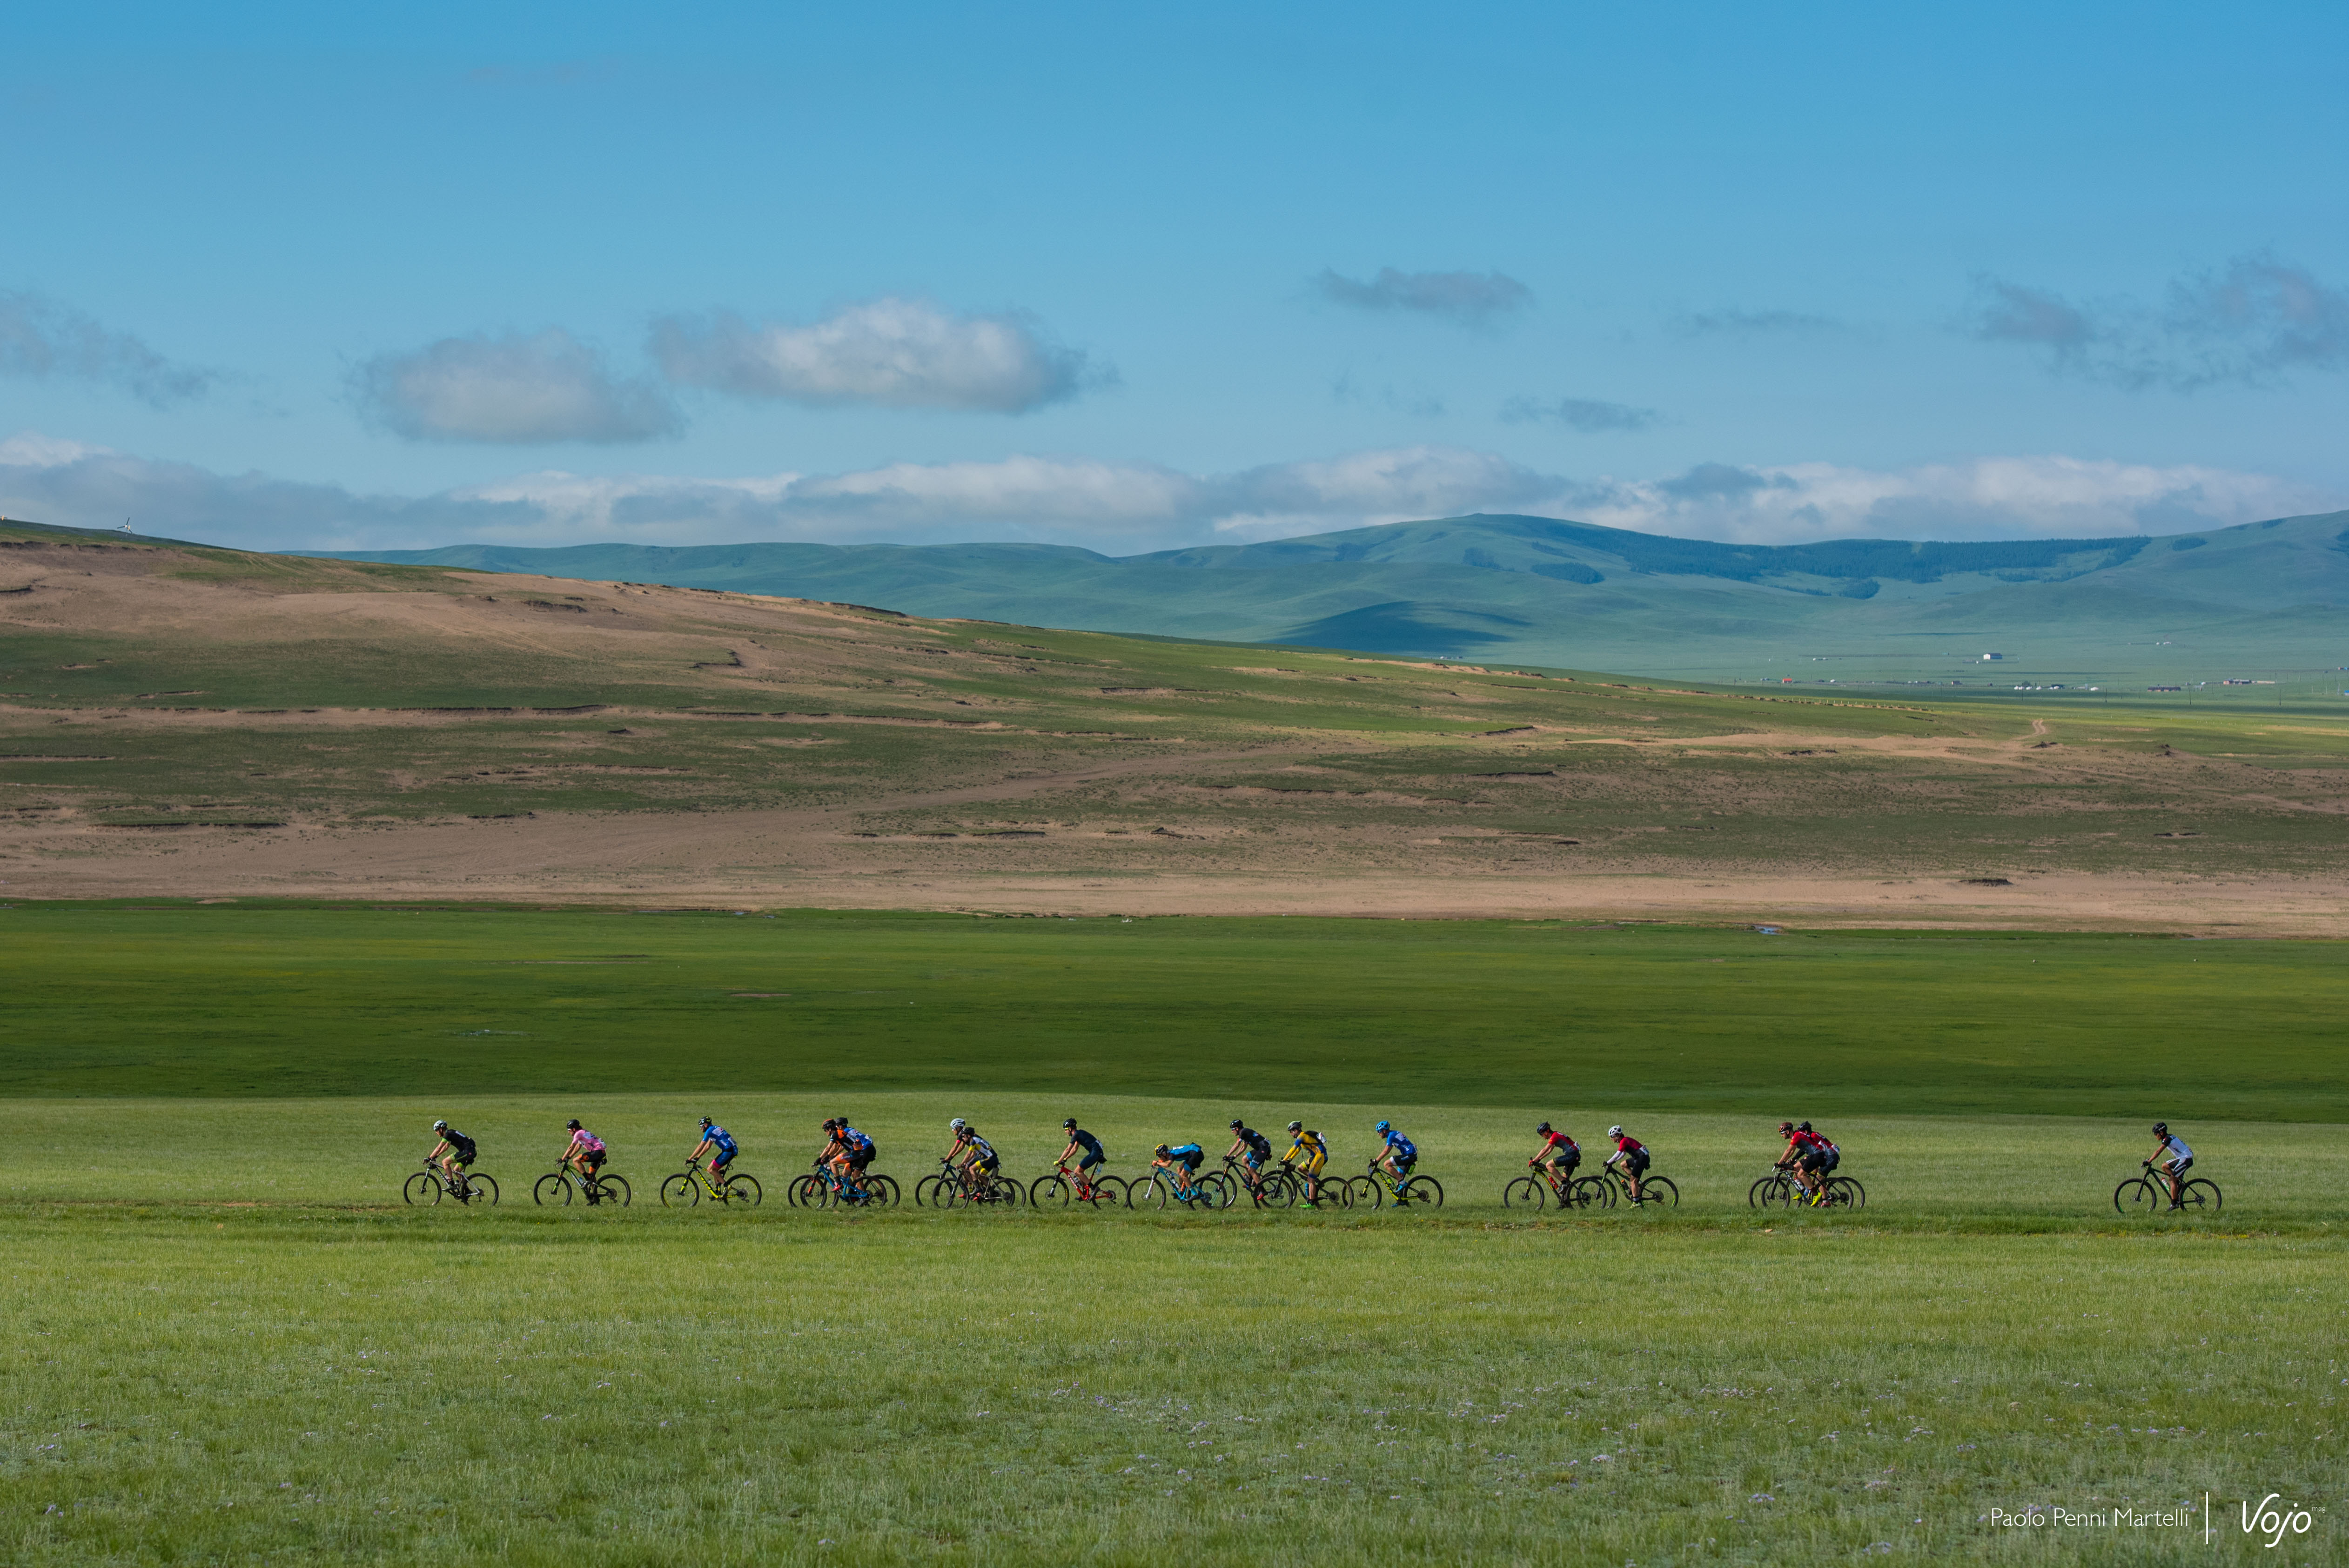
[[1538, 589]]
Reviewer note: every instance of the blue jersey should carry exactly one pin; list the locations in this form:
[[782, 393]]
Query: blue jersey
[[718, 1139], [1402, 1148], [1187, 1153], [854, 1140]]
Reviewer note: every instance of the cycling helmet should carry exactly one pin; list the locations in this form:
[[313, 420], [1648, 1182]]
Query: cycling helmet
[[831, 1125], [2161, 1129], [1296, 1126], [1383, 1127], [1785, 1127], [1614, 1132], [1805, 1128], [439, 1127], [957, 1125], [573, 1124], [706, 1122], [1159, 1152], [1069, 1121], [1238, 1124], [1543, 1127]]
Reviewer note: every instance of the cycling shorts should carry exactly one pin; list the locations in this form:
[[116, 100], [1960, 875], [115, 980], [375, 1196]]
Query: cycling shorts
[[986, 1162], [1563, 1160], [462, 1154], [592, 1159], [2178, 1167], [1312, 1163], [1637, 1161], [1095, 1158], [1251, 1159], [858, 1159], [719, 1159]]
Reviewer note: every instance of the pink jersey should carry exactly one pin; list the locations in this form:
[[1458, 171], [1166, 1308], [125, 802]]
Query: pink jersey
[[586, 1142]]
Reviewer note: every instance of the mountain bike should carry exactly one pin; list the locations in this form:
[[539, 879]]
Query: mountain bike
[[1335, 1191], [1065, 1186], [693, 1183], [969, 1184], [2148, 1194], [555, 1188], [1162, 1187], [1376, 1188], [431, 1184], [1548, 1184], [1653, 1189], [1781, 1189], [1267, 1188], [822, 1188]]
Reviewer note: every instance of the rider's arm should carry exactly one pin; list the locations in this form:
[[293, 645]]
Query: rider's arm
[[440, 1147], [699, 1150]]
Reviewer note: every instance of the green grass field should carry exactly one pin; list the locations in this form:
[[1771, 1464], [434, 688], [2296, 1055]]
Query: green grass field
[[228, 1341]]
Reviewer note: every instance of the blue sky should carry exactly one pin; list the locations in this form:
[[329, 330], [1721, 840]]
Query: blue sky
[[1138, 276]]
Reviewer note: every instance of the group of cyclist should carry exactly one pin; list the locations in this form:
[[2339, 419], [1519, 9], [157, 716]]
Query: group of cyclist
[[1809, 1156]]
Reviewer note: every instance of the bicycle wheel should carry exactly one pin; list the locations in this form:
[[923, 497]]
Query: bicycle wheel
[[1150, 1191], [484, 1188], [1589, 1192], [1845, 1192], [552, 1190], [1425, 1192], [2139, 1197], [1366, 1192], [808, 1191], [744, 1189], [929, 1193], [1659, 1190], [1282, 1189], [884, 1190], [681, 1190], [1525, 1192], [1112, 1192], [2202, 1195], [614, 1189], [1768, 1192], [422, 1188], [1050, 1193]]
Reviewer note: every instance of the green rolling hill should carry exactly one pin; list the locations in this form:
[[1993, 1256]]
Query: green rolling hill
[[2253, 599]]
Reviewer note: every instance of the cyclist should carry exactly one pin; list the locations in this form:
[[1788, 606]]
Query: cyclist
[[719, 1146], [1252, 1148], [1557, 1151], [961, 1130], [980, 1161], [584, 1154], [1306, 1153], [1083, 1147], [1397, 1159], [2174, 1158], [1633, 1156], [1796, 1156], [1182, 1163], [452, 1151], [1819, 1161], [856, 1152]]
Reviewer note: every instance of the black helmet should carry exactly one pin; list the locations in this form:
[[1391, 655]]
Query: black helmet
[[706, 1122], [1238, 1124], [830, 1124], [573, 1124], [1159, 1152], [1296, 1126], [1069, 1122], [1543, 1127], [1785, 1127], [2161, 1129], [1805, 1128]]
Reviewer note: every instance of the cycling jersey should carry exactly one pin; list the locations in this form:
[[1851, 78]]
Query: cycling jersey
[[854, 1140], [1187, 1155], [2175, 1147], [458, 1145], [982, 1152], [1308, 1148], [1086, 1141], [720, 1139], [1628, 1145], [586, 1142], [1559, 1143], [1258, 1143], [1403, 1150]]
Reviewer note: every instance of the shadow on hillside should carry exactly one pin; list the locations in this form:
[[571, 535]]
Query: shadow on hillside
[[1403, 626]]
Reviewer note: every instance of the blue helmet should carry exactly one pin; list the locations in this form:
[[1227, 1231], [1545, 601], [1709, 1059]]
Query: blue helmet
[[1383, 1127]]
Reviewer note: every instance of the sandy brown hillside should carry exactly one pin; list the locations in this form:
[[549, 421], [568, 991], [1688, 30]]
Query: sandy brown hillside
[[181, 720]]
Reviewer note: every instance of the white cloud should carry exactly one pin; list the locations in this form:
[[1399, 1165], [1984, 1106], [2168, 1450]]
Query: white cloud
[[41, 339], [1471, 299], [1124, 508], [516, 390], [2248, 323], [896, 352]]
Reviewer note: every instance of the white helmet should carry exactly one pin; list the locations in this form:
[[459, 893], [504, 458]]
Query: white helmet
[[1614, 1132], [956, 1125]]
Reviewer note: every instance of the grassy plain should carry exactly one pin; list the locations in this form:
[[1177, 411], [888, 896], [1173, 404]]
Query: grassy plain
[[238, 1000]]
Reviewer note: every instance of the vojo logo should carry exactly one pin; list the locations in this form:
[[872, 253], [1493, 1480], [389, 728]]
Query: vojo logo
[[2275, 1519]]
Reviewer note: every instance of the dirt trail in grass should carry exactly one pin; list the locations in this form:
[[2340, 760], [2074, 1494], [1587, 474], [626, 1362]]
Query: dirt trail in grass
[[812, 859]]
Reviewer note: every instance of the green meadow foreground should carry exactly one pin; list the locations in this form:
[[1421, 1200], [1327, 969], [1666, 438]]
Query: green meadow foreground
[[227, 1341]]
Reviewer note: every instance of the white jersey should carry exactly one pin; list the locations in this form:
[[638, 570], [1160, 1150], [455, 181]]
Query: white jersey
[[2176, 1146]]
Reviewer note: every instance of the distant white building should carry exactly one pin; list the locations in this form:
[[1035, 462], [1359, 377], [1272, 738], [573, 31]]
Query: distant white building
[[1993, 658]]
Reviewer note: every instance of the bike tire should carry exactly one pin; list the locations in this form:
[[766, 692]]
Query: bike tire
[[553, 1192], [1282, 1189], [2196, 1198], [422, 1188], [1660, 1190], [745, 1190], [1365, 1193], [808, 1191], [1050, 1193], [929, 1193], [1525, 1192], [1849, 1194], [1590, 1193], [884, 1190], [1767, 1192], [2139, 1197], [681, 1190], [1424, 1190], [1221, 1190], [1150, 1192], [611, 1188]]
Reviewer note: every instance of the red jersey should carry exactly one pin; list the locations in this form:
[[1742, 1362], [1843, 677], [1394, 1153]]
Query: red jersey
[[1557, 1140], [1630, 1145]]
